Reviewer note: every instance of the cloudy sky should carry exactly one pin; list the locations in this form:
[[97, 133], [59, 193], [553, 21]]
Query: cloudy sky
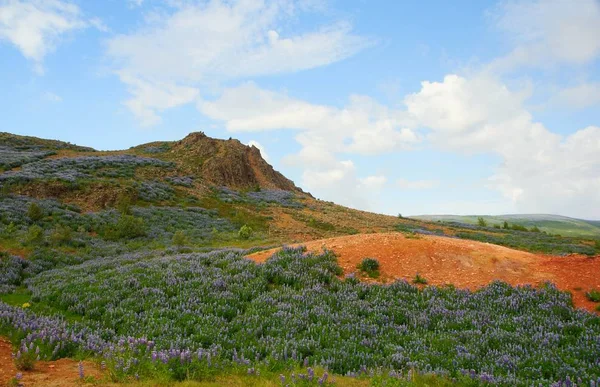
[[412, 107]]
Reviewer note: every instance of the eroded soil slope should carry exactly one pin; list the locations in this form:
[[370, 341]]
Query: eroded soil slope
[[462, 263]]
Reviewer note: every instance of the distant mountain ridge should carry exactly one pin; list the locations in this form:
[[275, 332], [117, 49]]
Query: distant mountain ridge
[[555, 224]]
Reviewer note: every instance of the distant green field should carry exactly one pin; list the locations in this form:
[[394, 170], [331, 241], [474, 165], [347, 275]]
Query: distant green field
[[553, 224]]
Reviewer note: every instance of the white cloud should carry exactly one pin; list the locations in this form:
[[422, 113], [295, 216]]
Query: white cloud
[[548, 32], [150, 98], [51, 97], [261, 148], [417, 184], [540, 171], [578, 97], [200, 43], [363, 127], [36, 26], [375, 182]]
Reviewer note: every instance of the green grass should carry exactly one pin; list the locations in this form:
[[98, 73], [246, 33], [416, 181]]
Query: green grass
[[22, 296], [549, 223]]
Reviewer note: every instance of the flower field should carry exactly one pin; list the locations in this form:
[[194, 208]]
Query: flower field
[[219, 309]]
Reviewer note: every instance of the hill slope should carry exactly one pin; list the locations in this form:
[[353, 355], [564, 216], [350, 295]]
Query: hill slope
[[554, 224]]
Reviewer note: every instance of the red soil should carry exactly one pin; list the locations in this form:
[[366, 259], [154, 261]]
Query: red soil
[[462, 263], [60, 373]]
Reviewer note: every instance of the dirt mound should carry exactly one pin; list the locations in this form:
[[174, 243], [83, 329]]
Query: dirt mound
[[228, 163], [60, 373], [462, 263]]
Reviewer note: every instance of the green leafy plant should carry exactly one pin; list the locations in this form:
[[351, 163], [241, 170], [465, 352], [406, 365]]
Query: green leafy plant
[[35, 235], [61, 235], [593, 295], [127, 227], [245, 232], [180, 239], [25, 358], [370, 266], [35, 212], [419, 280], [481, 222]]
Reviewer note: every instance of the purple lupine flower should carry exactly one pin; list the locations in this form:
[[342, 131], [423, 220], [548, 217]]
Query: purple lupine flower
[[81, 374], [282, 379]]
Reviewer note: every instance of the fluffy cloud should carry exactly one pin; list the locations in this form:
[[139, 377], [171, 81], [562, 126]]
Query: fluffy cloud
[[578, 97], [148, 98], [199, 43], [375, 182], [35, 26], [548, 32], [540, 171], [363, 126]]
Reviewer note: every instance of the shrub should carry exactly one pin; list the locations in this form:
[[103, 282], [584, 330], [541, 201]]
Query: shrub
[[61, 235], [370, 266], [419, 280], [535, 229], [245, 232], [35, 212], [35, 235], [505, 225], [593, 295], [127, 227], [597, 244], [25, 358], [481, 222], [180, 239]]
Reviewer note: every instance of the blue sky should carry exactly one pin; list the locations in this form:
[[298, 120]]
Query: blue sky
[[412, 107]]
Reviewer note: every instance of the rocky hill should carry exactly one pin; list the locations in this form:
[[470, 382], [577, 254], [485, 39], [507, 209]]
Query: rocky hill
[[227, 163]]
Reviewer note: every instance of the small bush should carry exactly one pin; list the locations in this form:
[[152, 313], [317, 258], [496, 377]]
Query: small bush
[[481, 222], [35, 235], [419, 280], [128, 227], [35, 212], [245, 232], [369, 264], [61, 235], [25, 358], [179, 239], [593, 295], [535, 229], [505, 225]]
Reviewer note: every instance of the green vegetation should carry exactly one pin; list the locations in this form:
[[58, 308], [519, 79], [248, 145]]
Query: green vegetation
[[245, 232], [514, 237], [551, 224], [418, 280], [35, 212], [593, 295], [481, 222], [369, 266]]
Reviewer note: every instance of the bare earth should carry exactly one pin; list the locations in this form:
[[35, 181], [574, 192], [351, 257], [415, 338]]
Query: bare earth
[[60, 373], [462, 263]]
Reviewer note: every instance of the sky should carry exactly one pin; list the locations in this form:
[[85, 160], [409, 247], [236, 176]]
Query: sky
[[397, 107]]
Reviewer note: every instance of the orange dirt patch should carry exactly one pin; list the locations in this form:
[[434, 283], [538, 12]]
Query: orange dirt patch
[[462, 263], [60, 373]]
